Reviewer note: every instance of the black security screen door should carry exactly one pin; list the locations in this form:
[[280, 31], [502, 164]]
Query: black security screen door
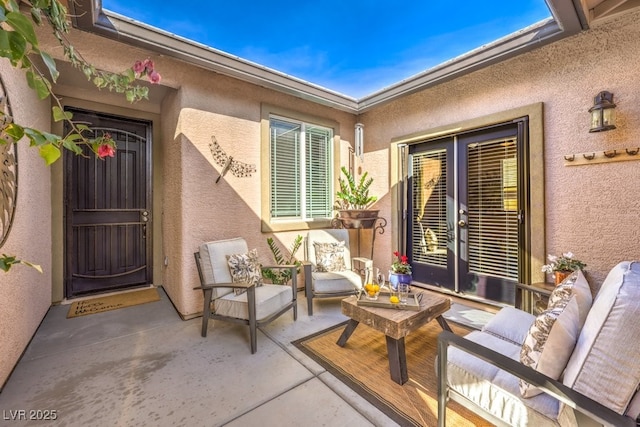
[[465, 212], [108, 219]]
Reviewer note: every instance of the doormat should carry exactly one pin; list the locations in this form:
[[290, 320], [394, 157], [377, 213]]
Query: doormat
[[363, 365], [112, 302]]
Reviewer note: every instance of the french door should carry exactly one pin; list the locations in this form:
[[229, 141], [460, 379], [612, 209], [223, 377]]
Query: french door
[[466, 203], [108, 209]]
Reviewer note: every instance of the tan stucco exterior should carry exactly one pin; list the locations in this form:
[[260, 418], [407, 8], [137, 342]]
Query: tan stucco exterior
[[589, 210], [25, 294]]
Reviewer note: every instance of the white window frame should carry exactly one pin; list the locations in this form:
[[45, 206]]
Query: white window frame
[[270, 224]]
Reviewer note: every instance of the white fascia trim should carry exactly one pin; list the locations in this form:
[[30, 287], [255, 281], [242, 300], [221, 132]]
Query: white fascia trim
[[92, 18]]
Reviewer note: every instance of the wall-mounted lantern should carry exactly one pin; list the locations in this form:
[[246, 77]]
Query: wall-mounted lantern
[[603, 113]]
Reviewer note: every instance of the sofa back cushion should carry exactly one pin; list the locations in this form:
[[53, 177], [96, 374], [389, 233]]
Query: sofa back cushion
[[553, 335], [605, 364]]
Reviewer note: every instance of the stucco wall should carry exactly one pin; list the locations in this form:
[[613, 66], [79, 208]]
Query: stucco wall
[[231, 111], [25, 294], [591, 210]]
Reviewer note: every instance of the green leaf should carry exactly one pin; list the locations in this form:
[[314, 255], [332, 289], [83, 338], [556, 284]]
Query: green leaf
[[39, 84], [21, 24], [35, 136], [5, 47], [69, 144], [3, 16], [51, 65], [59, 114], [50, 153], [18, 46], [14, 131]]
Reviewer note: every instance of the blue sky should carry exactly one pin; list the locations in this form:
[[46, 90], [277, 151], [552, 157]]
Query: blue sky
[[354, 47]]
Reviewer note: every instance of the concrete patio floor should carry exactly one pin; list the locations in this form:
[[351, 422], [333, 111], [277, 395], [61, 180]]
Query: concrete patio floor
[[144, 366]]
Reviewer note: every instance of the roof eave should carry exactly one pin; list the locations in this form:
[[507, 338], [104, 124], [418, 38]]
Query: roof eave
[[89, 16]]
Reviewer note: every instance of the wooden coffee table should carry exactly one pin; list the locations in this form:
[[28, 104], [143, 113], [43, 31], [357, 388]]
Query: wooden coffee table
[[395, 324]]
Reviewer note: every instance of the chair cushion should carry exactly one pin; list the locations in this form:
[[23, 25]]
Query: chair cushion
[[495, 390], [329, 256], [269, 300], [336, 282], [213, 261], [553, 335], [246, 268], [510, 324], [605, 364]]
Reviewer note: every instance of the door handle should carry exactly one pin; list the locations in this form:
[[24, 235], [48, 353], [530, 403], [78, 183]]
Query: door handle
[[462, 223]]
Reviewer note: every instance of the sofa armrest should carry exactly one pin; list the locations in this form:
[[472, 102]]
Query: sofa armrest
[[568, 396]]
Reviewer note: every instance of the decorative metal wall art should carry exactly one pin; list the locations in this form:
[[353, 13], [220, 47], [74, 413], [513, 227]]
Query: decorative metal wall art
[[8, 168], [238, 169]]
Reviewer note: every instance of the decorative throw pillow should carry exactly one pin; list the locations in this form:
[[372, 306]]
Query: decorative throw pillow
[[245, 268], [553, 335], [329, 256]]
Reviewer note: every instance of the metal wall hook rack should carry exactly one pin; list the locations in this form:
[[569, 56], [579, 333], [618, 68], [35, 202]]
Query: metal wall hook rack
[[607, 156]]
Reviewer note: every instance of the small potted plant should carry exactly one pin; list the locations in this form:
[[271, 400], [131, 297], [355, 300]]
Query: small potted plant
[[400, 270], [353, 201], [278, 276], [562, 266]]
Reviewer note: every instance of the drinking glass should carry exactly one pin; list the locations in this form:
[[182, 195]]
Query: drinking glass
[[403, 293]]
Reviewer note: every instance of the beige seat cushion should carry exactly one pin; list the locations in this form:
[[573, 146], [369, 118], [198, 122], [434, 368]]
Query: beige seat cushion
[[340, 281], [269, 300], [495, 390], [553, 335]]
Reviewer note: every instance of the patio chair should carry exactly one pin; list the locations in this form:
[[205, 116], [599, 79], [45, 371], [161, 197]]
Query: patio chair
[[231, 282], [329, 269]]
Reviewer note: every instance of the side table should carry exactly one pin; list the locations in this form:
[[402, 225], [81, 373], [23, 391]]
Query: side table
[[534, 297]]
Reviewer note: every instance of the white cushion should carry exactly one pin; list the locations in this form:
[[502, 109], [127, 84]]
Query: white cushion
[[552, 337], [493, 389], [339, 281], [269, 300], [606, 364], [213, 262], [510, 324]]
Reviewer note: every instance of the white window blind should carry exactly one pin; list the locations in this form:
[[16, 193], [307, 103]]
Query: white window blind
[[493, 218], [301, 177]]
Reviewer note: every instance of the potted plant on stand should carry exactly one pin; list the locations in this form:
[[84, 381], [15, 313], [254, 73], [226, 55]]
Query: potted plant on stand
[[353, 201], [562, 266], [400, 270]]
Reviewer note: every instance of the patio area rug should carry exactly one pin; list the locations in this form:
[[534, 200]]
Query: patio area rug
[[362, 364], [112, 302]]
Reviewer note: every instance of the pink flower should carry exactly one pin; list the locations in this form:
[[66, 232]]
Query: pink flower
[[139, 67], [106, 150], [148, 65], [154, 76]]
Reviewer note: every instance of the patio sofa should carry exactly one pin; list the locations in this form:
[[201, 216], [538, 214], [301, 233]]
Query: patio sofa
[[585, 372]]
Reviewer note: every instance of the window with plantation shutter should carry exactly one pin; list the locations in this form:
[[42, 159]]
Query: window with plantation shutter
[[300, 170]]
